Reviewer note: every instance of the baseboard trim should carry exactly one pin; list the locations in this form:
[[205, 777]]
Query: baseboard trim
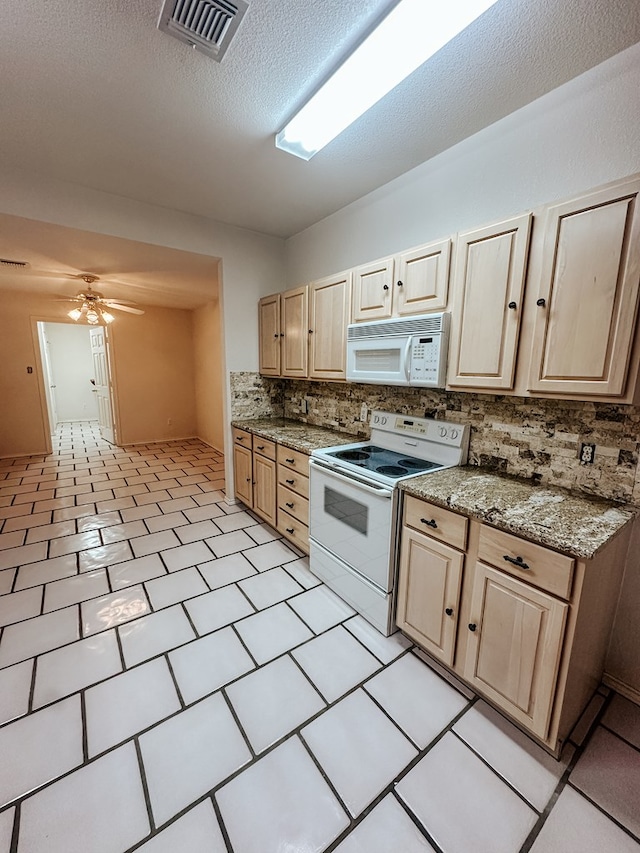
[[622, 688]]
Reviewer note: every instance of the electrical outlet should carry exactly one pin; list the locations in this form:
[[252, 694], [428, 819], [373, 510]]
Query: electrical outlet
[[364, 412], [587, 454], [304, 406]]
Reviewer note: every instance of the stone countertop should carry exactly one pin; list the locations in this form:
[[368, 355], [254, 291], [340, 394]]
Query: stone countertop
[[295, 434], [576, 525]]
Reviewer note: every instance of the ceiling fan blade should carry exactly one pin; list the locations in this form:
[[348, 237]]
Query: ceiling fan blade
[[119, 307], [115, 302]]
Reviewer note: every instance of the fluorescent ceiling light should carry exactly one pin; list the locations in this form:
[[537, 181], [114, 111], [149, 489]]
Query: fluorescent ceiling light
[[412, 32]]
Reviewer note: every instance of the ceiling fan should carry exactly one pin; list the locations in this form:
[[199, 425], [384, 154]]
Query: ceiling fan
[[92, 306]]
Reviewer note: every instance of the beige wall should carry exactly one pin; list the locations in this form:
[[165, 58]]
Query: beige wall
[[209, 374], [154, 375], [153, 370]]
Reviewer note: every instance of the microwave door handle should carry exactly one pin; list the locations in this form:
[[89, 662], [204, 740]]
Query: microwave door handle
[[407, 359]]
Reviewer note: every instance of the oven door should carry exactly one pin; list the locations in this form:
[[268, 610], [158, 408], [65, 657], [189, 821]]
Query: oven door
[[352, 519]]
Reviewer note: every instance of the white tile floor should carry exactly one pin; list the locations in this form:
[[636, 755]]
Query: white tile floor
[[173, 678]]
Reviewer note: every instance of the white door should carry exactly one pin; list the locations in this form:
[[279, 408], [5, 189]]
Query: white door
[[102, 382], [49, 382]]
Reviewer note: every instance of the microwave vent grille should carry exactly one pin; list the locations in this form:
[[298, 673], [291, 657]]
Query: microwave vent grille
[[401, 326]]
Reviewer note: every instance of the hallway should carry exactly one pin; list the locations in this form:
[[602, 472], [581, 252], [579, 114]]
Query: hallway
[[173, 678]]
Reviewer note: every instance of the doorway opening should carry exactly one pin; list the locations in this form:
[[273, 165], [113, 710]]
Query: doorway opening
[[77, 380]]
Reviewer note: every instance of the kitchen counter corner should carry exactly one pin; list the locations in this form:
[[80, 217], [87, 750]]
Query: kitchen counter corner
[[295, 434], [574, 524]]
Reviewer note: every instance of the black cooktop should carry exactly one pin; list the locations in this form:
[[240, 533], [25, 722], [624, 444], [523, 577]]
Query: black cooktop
[[389, 463]]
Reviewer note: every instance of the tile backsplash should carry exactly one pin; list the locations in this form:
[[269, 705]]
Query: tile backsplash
[[521, 436]]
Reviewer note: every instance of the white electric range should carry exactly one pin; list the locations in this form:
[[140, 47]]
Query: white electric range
[[353, 505]]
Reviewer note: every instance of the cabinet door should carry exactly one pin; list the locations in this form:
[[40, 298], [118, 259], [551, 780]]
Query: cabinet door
[[329, 301], [295, 328], [588, 294], [422, 279], [514, 646], [269, 331], [264, 488], [372, 288], [488, 283], [429, 593], [242, 478]]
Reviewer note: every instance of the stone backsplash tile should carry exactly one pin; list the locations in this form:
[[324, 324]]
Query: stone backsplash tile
[[525, 437], [255, 396]]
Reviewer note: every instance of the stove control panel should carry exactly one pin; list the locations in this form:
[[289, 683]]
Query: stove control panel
[[429, 429]]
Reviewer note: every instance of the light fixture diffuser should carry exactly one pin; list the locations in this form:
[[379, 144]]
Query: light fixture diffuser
[[412, 32]]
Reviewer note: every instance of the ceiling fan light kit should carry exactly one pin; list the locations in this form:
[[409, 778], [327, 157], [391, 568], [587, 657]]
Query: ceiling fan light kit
[[93, 307]]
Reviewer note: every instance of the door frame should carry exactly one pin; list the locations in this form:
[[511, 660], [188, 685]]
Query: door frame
[[38, 368]]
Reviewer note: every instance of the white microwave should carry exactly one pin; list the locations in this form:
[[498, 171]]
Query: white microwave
[[404, 351]]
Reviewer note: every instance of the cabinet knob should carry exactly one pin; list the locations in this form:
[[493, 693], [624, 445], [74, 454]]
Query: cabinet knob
[[310, 331], [472, 626], [449, 611], [261, 447], [400, 283], [541, 302], [289, 504], [517, 561], [429, 523], [290, 530], [248, 479], [513, 305], [385, 287], [290, 482], [290, 461], [276, 335], [282, 334]]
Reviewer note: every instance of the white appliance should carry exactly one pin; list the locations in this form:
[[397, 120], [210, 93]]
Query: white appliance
[[353, 506], [406, 351]]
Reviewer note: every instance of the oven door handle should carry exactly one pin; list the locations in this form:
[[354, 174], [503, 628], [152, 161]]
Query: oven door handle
[[379, 491]]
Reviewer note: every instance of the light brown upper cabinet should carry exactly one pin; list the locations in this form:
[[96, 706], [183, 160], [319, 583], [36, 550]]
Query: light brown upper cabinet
[[414, 282], [372, 290], [587, 295], [488, 287], [283, 331], [422, 279], [269, 334], [295, 331], [329, 301]]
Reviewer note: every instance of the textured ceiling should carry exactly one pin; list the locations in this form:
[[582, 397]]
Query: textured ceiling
[[93, 93]]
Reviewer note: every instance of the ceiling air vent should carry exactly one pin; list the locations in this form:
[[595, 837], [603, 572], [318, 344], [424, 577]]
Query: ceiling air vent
[[207, 25], [7, 262]]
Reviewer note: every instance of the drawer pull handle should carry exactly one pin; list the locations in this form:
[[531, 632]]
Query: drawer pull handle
[[518, 561], [290, 530], [291, 482], [290, 461], [431, 523], [449, 611], [289, 504], [472, 626]]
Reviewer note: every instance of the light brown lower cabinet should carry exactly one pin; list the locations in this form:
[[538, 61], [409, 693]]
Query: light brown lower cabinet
[[524, 626], [273, 481]]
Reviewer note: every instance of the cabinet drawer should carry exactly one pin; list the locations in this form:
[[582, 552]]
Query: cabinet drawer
[[440, 523], [532, 563], [264, 447], [293, 504], [293, 459], [294, 530], [241, 437], [296, 482]]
